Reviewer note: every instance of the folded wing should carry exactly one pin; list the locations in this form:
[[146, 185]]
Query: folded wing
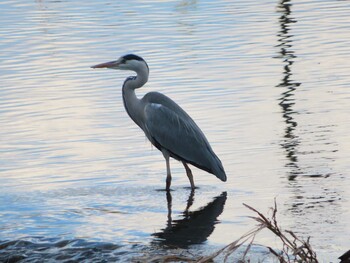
[[181, 137]]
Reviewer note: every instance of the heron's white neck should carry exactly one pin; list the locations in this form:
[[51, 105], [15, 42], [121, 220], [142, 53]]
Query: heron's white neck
[[132, 104]]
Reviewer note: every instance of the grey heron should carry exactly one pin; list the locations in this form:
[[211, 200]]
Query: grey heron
[[166, 125]]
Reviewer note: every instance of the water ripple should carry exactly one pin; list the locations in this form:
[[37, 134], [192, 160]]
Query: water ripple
[[266, 81]]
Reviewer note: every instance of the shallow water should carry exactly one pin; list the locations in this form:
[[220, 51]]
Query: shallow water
[[266, 81]]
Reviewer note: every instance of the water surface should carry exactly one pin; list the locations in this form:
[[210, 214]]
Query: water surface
[[266, 81]]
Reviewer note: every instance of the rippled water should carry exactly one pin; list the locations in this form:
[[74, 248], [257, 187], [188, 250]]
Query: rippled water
[[267, 82]]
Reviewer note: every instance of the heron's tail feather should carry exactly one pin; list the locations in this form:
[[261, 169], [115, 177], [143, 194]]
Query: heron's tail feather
[[218, 169]]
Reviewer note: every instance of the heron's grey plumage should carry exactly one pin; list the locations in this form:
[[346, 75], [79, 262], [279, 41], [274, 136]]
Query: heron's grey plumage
[[168, 127]]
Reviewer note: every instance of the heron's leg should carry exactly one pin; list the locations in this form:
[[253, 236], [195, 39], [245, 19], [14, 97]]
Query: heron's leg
[[189, 174], [168, 173]]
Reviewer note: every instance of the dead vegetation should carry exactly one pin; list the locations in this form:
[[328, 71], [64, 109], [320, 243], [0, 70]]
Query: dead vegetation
[[294, 249]]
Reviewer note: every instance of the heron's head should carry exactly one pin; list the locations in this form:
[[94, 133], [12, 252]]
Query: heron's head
[[126, 62]]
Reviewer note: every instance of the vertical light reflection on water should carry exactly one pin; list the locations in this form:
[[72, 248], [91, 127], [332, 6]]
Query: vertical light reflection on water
[[311, 191], [289, 86]]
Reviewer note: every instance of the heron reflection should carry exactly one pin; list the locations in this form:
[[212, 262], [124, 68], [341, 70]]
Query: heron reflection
[[194, 227]]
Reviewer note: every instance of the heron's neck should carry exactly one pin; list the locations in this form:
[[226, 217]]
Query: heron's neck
[[132, 104]]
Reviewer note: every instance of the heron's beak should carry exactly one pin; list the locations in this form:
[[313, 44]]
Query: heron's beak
[[111, 64]]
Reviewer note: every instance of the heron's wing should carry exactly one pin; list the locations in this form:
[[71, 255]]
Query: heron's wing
[[178, 135], [159, 98]]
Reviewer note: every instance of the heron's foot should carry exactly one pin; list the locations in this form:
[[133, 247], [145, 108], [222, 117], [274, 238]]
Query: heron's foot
[[191, 188], [164, 190]]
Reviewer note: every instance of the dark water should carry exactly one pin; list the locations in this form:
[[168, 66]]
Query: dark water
[[43, 250], [266, 81]]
